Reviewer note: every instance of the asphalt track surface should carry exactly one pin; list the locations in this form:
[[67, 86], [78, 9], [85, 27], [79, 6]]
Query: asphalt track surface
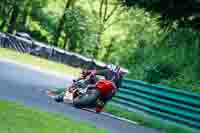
[[28, 87]]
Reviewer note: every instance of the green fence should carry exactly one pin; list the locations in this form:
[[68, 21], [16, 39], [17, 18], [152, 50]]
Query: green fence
[[179, 106]]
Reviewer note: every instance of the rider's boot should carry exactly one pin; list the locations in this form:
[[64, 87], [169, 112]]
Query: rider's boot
[[59, 99]]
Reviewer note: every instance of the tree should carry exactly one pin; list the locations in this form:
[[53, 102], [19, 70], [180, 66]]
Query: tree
[[75, 28], [79, 32], [34, 9], [14, 13], [184, 11], [104, 15], [26, 11], [13, 19], [16, 7], [61, 22], [5, 11]]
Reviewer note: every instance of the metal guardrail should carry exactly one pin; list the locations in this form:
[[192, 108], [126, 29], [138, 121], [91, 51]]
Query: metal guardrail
[[167, 103], [43, 50], [36, 48]]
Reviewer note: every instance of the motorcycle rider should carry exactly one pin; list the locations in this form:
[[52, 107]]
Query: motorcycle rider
[[110, 72]]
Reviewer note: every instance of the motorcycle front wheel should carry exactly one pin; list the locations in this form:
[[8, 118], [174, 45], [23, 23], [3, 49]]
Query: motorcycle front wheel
[[87, 100]]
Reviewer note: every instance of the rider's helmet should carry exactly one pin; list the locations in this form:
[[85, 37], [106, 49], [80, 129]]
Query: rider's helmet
[[111, 67], [114, 68]]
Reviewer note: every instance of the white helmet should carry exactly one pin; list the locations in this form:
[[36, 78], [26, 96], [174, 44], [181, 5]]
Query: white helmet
[[113, 68]]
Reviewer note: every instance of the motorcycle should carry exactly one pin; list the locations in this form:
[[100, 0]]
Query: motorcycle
[[94, 97]]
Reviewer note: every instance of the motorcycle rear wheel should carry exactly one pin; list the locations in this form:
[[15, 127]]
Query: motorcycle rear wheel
[[87, 100]]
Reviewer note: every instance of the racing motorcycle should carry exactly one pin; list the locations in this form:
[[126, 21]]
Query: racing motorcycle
[[82, 95]]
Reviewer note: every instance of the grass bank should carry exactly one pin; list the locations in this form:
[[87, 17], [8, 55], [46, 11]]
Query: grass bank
[[147, 120], [38, 62], [19, 119]]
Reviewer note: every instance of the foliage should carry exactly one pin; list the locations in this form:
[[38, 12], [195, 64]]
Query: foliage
[[185, 11], [178, 55], [76, 28], [105, 29], [143, 31], [158, 71]]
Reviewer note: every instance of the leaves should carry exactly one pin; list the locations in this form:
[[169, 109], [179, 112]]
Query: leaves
[[132, 37], [75, 27]]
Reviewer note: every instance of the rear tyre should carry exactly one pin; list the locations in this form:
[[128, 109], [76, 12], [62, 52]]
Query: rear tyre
[[87, 100]]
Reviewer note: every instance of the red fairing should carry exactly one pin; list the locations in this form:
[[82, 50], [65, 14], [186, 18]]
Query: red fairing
[[105, 87]]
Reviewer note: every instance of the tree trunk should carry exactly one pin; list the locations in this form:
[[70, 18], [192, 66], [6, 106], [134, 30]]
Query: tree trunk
[[5, 12], [27, 11], [61, 24], [98, 44], [65, 42], [2, 6], [71, 44], [13, 20], [109, 50], [24, 20], [99, 37]]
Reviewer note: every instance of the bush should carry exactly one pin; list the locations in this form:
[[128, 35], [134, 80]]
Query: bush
[[173, 62], [160, 71]]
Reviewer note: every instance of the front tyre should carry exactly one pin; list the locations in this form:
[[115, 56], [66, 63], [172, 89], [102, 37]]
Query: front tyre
[[87, 100]]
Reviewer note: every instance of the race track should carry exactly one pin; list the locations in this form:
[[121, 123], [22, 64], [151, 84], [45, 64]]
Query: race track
[[26, 86]]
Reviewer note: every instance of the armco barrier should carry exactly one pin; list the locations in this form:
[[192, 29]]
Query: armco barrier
[[47, 51], [167, 103]]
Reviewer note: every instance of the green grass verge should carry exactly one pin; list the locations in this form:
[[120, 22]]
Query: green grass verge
[[16, 118], [41, 63], [147, 120]]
